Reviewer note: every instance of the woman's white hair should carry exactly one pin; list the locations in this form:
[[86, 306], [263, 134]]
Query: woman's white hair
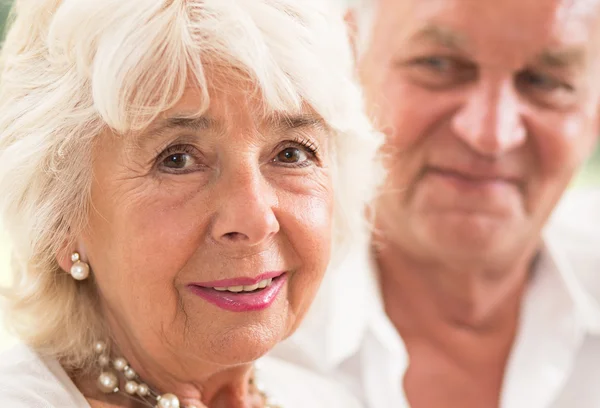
[[365, 14], [71, 69]]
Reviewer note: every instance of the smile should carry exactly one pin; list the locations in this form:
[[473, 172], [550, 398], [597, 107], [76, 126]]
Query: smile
[[249, 288], [239, 295]]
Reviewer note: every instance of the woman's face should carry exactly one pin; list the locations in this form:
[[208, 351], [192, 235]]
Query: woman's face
[[230, 200]]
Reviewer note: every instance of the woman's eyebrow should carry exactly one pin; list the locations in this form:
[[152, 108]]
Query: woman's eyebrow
[[167, 125], [278, 121], [194, 124], [286, 121]]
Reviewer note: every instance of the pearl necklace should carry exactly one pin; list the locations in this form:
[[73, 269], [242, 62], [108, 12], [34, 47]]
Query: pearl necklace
[[109, 383]]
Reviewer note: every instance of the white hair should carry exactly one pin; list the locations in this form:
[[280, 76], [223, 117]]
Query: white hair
[[72, 69], [364, 11]]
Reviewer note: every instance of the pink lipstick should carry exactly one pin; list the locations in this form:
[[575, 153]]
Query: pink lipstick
[[242, 294]]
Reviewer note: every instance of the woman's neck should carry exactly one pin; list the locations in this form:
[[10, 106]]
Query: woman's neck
[[229, 388], [196, 382]]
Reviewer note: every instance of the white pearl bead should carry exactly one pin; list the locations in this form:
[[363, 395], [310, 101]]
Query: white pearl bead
[[143, 390], [131, 387], [272, 403], [168, 401], [80, 271], [119, 363], [108, 382], [103, 361], [259, 386], [75, 257], [99, 347], [130, 374]]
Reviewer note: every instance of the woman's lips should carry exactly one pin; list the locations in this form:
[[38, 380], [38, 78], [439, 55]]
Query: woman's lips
[[238, 281], [243, 294]]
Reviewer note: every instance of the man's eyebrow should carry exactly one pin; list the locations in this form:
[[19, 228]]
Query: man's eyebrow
[[442, 36], [570, 57]]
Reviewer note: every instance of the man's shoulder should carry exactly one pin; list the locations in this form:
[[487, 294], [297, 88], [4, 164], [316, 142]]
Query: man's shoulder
[[574, 229], [573, 232], [299, 387], [26, 381], [577, 216]]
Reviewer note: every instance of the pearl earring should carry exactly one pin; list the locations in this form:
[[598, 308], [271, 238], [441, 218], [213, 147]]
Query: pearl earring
[[80, 270]]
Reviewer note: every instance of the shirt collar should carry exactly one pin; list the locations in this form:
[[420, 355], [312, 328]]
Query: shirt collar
[[557, 316], [565, 255]]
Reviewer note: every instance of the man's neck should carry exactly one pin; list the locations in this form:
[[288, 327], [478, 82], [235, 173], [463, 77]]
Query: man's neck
[[455, 308]]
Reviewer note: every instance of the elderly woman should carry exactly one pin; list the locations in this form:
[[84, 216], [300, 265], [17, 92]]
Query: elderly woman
[[175, 175]]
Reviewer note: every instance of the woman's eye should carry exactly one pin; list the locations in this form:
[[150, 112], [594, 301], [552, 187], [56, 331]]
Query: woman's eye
[[179, 160], [292, 155]]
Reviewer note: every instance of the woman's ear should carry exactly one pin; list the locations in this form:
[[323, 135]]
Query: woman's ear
[[68, 248]]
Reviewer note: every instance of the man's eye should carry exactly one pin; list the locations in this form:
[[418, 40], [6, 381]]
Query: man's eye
[[546, 90], [541, 81], [436, 63], [439, 72]]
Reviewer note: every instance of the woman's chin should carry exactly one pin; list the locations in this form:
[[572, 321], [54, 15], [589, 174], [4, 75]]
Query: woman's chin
[[244, 343], [241, 352]]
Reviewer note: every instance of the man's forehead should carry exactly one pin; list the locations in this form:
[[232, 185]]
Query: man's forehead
[[581, 8], [553, 56], [578, 8], [556, 31]]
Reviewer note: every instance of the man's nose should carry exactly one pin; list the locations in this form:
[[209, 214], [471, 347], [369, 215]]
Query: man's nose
[[489, 121]]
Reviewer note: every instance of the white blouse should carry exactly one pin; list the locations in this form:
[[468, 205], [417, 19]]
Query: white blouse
[[29, 381]]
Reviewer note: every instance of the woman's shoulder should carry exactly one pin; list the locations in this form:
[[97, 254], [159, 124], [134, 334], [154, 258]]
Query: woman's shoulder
[[28, 380], [296, 387]]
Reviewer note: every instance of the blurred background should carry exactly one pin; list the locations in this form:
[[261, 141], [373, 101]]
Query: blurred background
[[589, 178]]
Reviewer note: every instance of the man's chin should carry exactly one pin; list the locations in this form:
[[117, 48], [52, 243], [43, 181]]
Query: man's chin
[[470, 236]]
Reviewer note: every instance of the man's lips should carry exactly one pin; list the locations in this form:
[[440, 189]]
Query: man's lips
[[483, 177]]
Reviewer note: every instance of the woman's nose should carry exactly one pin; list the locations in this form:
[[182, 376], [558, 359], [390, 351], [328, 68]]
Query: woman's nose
[[244, 214], [490, 120]]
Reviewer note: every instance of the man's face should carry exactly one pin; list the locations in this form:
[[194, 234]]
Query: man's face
[[489, 108]]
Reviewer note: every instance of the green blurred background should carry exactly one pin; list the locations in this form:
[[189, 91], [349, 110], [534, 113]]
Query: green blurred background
[[590, 175]]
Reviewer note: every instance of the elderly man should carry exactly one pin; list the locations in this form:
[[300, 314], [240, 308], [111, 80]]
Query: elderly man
[[460, 300]]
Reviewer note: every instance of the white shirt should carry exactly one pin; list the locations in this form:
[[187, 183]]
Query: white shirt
[[29, 381], [555, 361]]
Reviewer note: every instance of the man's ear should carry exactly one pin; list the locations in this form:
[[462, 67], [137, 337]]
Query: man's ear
[[352, 27]]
